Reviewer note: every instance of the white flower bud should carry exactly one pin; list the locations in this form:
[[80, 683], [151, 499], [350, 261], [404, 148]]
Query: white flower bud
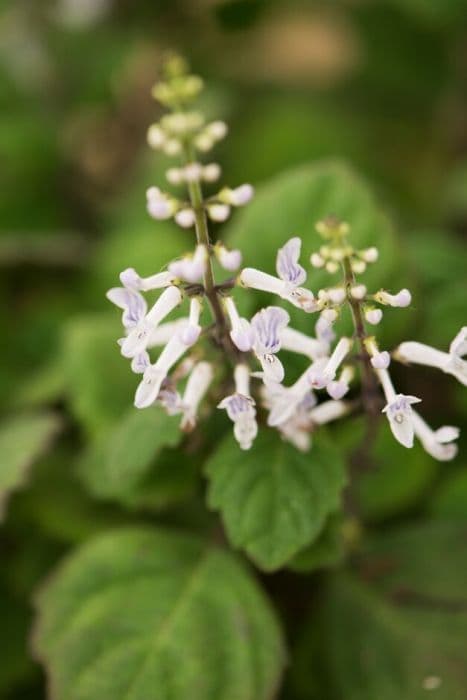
[[330, 315], [358, 291], [401, 299], [316, 260], [241, 195], [373, 316], [218, 212], [211, 172], [358, 266], [332, 267], [192, 172], [172, 147], [228, 259], [156, 136], [381, 360], [204, 142], [185, 218], [337, 295], [370, 255], [174, 176], [217, 130]]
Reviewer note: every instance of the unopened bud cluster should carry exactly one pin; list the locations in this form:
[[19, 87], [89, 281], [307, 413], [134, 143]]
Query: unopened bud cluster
[[182, 373]]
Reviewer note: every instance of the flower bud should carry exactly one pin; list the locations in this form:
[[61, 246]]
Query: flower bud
[[373, 316], [336, 295], [174, 176], [381, 360], [358, 291], [217, 130], [316, 260], [218, 212], [358, 266], [211, 172], [172, 147], [156, 136], [332, 267], [185, 218], [204, 142], [370, 255]]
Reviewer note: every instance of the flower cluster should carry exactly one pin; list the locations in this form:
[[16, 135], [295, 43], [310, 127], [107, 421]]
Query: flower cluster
[[251, 347]]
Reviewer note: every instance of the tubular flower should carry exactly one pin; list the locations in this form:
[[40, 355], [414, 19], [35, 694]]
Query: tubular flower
[[451, 362], [240, 408]]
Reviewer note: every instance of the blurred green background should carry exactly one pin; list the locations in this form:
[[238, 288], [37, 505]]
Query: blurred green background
[[378, 84]]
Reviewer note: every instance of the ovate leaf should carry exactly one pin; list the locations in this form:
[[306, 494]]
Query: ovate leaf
[[23, 439], [100, 384], [120, 461], [397, 627], [273, 498], [141, 614]]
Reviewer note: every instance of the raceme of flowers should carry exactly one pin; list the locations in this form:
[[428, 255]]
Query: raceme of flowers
[[173, 355]]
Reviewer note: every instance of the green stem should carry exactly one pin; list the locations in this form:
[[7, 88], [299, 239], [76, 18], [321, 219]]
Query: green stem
[[202, 237], [370, 391]]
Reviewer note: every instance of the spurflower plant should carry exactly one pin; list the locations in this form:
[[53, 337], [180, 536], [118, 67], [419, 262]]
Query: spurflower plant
[[248, 349]]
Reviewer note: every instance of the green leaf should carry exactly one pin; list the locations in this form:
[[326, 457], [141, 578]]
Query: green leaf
[[327, 551], [122, 460], [22, 440], [395, 479], [100, 384], [140, 614], [397, 627], [273, 498], [450, 498]]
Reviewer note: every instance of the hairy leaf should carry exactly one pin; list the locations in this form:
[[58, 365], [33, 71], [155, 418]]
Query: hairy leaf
[[274, 499], [141, 614]]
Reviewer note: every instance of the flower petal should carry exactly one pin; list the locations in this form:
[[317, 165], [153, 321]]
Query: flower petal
[[287, 266]]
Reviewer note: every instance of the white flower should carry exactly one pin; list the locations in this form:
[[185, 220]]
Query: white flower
[[400, 416], [320, 375], [192, 172], [160, 205], [189, 333], [291, 275], [131, 280], [438, 443], [139, 335], [133, 304], [401, 299], [149, 387], [296, 341], [196, 387], [191, 267], [373, 316], [241, 410], [324, 330], [163, 333], [398, 410], [242, 334], [228, 259], [267, 326], [339, 388], [451, 362], [185, 218], [218, 212], [328, 411], [283, 401], [175, 176]]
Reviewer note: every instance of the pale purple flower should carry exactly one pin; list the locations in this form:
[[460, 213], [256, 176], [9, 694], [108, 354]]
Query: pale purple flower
[[196, 387], [140, 334], [438, 443], [381, 360], [242, 334], [228, 259], [451, 362], [267, 326], [296, 341], [287, 265], [320, 375], [241, 410], [133, 304]]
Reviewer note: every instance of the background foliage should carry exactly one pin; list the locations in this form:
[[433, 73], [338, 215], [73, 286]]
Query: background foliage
[[169, 558]]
